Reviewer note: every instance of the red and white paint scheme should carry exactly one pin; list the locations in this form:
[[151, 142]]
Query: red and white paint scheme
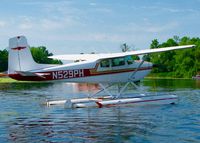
[[91, 68]]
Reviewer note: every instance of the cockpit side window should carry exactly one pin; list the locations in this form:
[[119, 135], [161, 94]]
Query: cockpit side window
[[117, 62], [129, 60]]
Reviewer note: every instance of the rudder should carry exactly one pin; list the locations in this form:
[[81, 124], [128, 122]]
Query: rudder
[[20, 57]]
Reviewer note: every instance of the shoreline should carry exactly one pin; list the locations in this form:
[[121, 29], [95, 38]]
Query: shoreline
[[10, 80], [7, 80], [152, 77]]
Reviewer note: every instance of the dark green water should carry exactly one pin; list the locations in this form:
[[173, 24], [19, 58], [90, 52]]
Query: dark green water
[[23, 119]]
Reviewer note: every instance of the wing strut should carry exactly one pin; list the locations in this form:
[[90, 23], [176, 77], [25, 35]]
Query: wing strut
[[132, 76], [131, 82]]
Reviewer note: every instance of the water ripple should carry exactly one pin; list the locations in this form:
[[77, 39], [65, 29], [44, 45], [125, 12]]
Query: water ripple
[[23, 119]]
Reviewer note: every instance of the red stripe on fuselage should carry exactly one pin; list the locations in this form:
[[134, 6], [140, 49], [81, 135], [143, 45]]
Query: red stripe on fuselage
[[70, 74], [27, 78], [18, 48]]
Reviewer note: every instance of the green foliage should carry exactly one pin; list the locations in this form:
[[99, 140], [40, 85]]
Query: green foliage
[[165, 60], [3, 60], [155, 44], [40, 55], [153, 58], [183, 63]]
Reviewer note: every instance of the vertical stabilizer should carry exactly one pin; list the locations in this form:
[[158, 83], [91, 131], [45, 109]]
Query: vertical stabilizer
[[20, 58]]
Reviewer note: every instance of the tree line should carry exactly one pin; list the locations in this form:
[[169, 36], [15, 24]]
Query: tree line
[[179, 63]]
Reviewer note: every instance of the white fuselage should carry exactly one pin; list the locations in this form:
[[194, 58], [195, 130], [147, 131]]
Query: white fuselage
[[91, 72]]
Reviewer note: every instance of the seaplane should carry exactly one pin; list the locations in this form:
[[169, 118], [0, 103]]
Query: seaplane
[[107, 70]]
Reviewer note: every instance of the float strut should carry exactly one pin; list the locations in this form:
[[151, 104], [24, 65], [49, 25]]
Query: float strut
[[122, 90], [105, 89]]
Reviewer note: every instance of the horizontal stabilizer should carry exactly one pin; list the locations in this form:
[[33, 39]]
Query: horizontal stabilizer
[[26, 73], [3, 75]]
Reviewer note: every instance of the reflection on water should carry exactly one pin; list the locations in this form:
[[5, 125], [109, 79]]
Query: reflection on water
[[86, 87], [172, 84], [23, 85], [23, 119], [115, 125]]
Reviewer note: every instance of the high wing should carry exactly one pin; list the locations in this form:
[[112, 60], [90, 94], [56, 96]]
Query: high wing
[[91, 57]]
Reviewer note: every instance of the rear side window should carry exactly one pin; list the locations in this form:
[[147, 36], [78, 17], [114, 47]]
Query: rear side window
[[105, 63], [117, 62]]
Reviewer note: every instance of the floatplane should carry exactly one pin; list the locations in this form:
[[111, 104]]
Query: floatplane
[[105, 69]]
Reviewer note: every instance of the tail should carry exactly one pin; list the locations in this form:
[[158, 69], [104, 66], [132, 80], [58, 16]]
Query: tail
[[20, 58]]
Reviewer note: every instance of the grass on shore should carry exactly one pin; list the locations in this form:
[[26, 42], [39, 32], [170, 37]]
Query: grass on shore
[[7, 80], [165, 75]]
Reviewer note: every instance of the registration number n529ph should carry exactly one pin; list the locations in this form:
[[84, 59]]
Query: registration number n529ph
[[65, 74]]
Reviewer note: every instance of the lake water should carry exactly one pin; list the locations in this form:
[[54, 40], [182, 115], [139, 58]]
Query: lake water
[[23, 119]]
